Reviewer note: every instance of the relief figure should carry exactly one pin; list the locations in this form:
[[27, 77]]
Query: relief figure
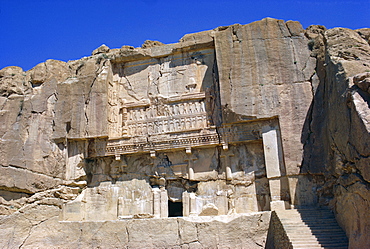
[[196, 107], [202, 107], [176, 109], [181, 108], [186, 108], [188, 124], [165, 126], [142, 115], [194, 122], [144, 128]]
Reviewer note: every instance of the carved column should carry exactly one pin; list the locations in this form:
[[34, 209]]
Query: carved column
[[190, 159], [125, 119], [185, 204], [160, 203], [225, 155], [193, 204], [164, 203], [156, 203]]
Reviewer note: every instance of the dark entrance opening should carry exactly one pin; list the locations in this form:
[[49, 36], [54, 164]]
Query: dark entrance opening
[[174, 209]]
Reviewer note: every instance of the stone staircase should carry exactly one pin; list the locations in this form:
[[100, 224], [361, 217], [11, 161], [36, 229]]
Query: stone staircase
[[312, 228]]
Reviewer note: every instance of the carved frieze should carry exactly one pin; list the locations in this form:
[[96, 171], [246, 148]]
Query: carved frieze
[[157, 143], [170, 115]]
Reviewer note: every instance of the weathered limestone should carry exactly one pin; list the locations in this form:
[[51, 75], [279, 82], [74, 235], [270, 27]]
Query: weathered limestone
[[235, 120], [39, 227], [341, 106]]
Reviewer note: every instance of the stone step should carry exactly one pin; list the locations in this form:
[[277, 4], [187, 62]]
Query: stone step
[[314, 238], [303, 217], [320, 239], [313, 213], [306, 216], [312, 228], [309, 245], [313, 219], [307, 211], [318, 236], [316, 233], [295, 244], [328, 242], [287, 212], [315, 246], [318, 243], [321, 223], [316, 225]]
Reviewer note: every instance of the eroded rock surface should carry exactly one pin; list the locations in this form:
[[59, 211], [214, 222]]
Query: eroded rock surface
[[339, 124]]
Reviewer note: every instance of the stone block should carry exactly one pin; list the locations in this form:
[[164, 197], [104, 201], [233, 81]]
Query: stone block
[[271, 151], [275, 189], [277, 205]]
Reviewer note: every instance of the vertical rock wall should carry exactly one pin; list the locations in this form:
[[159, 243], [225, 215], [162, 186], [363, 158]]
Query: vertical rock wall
[[265, 70], [337, 144]]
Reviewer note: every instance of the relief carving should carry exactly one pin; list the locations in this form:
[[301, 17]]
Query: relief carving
[[172, 110], [165, 117]]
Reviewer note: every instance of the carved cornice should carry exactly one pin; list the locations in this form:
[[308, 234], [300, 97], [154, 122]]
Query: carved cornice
[[162, 142]]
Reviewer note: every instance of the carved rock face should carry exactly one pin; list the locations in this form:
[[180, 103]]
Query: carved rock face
[[239, 119]]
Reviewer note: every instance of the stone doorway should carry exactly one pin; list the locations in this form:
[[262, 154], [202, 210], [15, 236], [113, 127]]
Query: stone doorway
[[174, 209]]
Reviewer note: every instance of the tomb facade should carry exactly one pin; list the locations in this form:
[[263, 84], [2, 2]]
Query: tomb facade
[[169, 151]]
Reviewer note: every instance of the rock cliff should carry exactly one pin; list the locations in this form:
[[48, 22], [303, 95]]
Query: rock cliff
[[239, 119]]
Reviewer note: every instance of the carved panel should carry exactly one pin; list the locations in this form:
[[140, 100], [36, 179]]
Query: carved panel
[[170, 115]]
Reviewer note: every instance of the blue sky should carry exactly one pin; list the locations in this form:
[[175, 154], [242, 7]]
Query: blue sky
[[33, 31]]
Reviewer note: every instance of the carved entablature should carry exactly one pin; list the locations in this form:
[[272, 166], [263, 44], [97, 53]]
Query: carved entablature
[[164, 123], [164, 142]]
